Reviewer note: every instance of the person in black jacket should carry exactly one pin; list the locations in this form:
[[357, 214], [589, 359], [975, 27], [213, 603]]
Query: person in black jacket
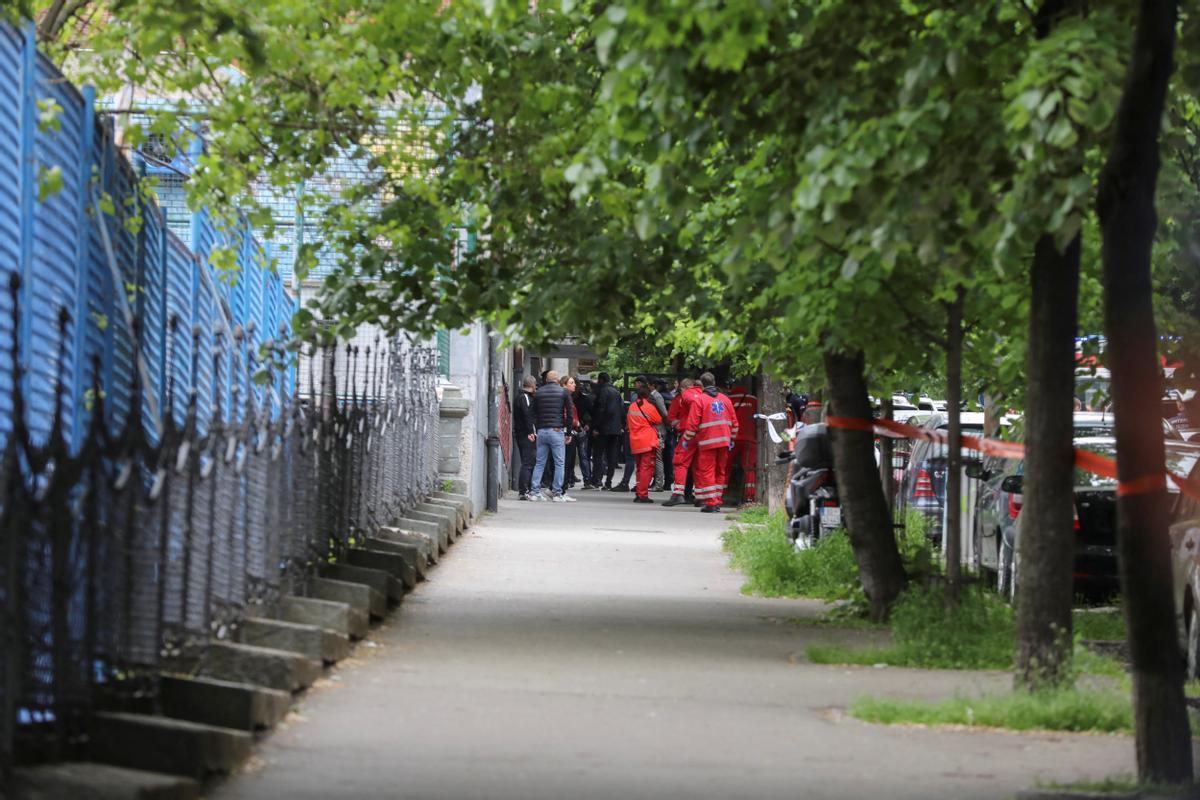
[[608, 421], [553, 415], [526, 435]]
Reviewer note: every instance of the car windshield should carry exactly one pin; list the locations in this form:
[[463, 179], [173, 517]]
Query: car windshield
[[1180, 460]]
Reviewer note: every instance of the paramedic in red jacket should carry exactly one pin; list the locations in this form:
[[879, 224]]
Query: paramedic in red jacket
[[711, 428], [684, 456], [643, 421], [745, 445]]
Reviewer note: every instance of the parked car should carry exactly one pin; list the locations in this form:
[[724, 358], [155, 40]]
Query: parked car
[[1103, 423], [923, 488], [998, 517], [926, 403]]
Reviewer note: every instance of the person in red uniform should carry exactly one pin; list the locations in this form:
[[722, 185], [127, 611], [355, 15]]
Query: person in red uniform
[[643, 440], [685, 453], [745, 446], [711, 428]]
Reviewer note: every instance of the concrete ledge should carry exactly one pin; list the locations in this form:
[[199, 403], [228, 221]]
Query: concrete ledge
[[426, 542], [432, 529], [83, 781], [462, 499], [413, 555], [445, 523], [464, 519], [447, 513], [259, 666], [357, 594], [380, 581], [392, 563], [166, 745], [319, 644], [222, 703], [338, 617]]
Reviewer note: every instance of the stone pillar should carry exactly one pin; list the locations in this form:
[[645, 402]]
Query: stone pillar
[[452, 410]]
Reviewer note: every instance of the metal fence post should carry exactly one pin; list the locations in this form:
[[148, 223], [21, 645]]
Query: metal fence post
[[82, 251], [28, 194]]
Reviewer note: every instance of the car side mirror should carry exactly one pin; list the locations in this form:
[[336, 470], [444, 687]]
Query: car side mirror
[[1012, 484], [785, 455], [974, 469]]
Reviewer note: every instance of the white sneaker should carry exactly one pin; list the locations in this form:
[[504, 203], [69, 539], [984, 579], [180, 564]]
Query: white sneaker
[[559, 498], [536, 497], [566, 498]]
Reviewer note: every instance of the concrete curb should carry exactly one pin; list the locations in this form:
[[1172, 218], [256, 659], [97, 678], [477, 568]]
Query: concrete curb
[[392, 563], [431, 529], [258, 666], [86, 781], [413, 555], [333, 615], [166, 745], [357, 595], [311, 641], [223, 704], [426, 542], [389, 589]]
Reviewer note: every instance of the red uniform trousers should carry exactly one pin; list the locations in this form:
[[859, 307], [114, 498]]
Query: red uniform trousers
[[711, 473], [682, 462], [645, 471], [745, 455]]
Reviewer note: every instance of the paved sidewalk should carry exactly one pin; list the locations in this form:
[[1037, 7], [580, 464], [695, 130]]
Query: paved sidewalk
[[601, 649]]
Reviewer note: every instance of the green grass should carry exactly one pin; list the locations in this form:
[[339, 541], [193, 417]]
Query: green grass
[[1106, 624], [1067, 709], [758, 546], [977, 635]]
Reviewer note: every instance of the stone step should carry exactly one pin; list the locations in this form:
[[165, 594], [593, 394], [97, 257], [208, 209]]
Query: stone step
[[310, 641], [446, 525], [259, 666], [413, 555], [433, 529], [464, 519], [358, 595], [225, 704], [447, 513], [391, 588], [426, 542], [395, 564], [463, 500], [172, 746], [88, 781], [338, 617]]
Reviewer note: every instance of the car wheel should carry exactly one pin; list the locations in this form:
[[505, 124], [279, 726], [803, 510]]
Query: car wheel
[[1193, 645]]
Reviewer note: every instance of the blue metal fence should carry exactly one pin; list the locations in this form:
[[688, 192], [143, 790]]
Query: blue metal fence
[[98, 250]]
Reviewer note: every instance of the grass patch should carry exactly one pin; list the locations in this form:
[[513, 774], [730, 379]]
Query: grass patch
[[758, 546], [977, 635], [1107, 624], [1067, 709]]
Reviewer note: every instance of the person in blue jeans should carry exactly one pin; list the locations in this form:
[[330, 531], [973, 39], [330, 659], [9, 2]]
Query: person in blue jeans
[[553, 413]]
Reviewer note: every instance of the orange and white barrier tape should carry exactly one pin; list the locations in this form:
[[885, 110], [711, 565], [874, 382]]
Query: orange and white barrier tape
[[1084, 459]]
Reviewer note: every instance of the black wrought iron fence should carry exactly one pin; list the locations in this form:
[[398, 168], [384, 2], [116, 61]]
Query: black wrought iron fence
[[144, 542]]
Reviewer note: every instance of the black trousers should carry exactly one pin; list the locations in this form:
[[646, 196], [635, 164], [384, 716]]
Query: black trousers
[[528, 451], [605, 449]]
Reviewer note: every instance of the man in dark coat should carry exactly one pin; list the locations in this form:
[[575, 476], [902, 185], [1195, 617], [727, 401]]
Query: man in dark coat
[[608, 421], [554, 415], [525, 433]]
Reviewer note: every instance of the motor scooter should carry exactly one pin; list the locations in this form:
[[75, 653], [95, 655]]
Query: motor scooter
[[811, 497]]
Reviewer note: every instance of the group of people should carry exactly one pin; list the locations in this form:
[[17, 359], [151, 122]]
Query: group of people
[[686, 434]]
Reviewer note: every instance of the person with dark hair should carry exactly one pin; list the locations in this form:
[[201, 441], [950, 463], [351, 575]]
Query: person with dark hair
[[608, 419], [524, 431], [553, 413], [711, 428], [643, 421], [656, 398], [582, 442]]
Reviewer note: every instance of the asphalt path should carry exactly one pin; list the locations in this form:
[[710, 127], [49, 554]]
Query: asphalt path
[[602, 649]]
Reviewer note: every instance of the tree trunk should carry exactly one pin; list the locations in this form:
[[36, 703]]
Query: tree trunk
[[1046, 589], [770, 479], [1125, 203], [866, 517], [952, 525]]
